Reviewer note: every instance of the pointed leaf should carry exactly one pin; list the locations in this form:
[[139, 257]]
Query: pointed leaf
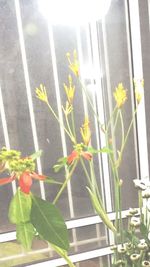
[[49, 223], [106, 150], [51, 180], [25, 234], [103, 150], [36, 155], [20, 207], [100, 211], [144, 230], [62, 160], [57, 167]]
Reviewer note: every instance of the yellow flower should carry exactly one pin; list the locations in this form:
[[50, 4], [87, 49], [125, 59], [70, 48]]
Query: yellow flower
[[68, 108], [120, 95], [73, 65], [41, 93], [69, 90], [86, 132], [139, 86]]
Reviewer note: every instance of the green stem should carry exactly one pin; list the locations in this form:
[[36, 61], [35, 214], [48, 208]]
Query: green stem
[[73, 123], [127, 134], [65, 182], [140, 204], [111, 118], [63, 254], [85, 170], [69, 129], [90, 102], [58, 120], [94, 183]]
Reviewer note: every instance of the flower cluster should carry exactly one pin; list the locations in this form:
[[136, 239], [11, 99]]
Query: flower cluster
[[20, 169]]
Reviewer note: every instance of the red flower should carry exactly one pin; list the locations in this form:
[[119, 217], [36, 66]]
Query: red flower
[[75, 155], [7, 180], [86, 155], [25, 180]]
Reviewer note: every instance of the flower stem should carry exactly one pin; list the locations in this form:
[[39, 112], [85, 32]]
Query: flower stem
[[65, 182], [58, 120], [90, 102]]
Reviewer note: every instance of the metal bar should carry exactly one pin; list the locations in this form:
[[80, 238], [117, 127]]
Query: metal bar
[[5, 130], [138, 74], [28, 88]]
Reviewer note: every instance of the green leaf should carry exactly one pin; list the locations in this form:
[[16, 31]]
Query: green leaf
[[60, 164], [106, 150], [62, 160], [51, 180], [100, 210], [36, 155], [92, 150], [20, 207], [49, 223], [103, 150], [144, 230], [25, 234]]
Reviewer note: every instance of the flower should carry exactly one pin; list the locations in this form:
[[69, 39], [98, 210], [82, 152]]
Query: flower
[[73, 65], [142, 184], [135, 222], [120, 95], [146, 263], [135, 257], [86, 132], [139, 86], [68, 109], [41, 93], [69, 90], [21, 169], [76, 154], [25, 180]]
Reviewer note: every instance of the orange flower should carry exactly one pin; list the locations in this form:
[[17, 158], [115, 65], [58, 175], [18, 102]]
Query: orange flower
[[75, 155], [25, 180]]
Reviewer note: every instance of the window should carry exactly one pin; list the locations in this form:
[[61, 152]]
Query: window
[[33, 52]]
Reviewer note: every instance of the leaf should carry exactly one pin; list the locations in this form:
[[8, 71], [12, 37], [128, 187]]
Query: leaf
[[20, 207], [93, 150], [36, 155], [103, 150], [144, 230], [106, 150], [51, 180], [100, 211], [62, 160], [25, 234], [49, 223], [60, 164]]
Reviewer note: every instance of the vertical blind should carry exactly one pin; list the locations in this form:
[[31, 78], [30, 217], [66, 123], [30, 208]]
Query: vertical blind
[[110, 51]]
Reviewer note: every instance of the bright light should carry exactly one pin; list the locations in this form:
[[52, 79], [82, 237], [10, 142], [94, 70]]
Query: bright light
[[73, 12]]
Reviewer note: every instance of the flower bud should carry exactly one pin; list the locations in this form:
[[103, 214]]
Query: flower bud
[[142, 246], [135, 222], [135, 257], [121, 249], [120, 263], [145, 263]]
